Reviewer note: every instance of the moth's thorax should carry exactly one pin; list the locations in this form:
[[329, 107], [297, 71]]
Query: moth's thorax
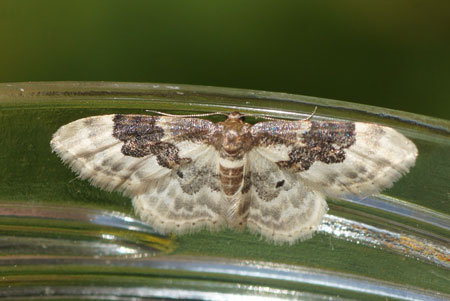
[[236, 138]]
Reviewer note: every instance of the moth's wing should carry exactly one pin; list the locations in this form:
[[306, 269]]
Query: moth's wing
[[282, 208], [294, 165], [187, 199], [337, 158], [152, 159]]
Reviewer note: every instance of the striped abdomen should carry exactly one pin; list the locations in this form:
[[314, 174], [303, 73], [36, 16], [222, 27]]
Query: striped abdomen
[[231, 177]]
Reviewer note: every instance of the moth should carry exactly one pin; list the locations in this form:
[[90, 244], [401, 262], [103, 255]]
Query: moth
[[185, 174]]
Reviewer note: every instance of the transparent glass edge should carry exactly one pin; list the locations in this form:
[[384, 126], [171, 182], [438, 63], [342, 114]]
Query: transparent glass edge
[[10, 93], [223, 269]]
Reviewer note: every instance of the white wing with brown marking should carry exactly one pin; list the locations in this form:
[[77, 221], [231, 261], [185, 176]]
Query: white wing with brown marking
[[295, 164], [282, 207], [172, 177], [338, 158], [90, 149], [378, 157]]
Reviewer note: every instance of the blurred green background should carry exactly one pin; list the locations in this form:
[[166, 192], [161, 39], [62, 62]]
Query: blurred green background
[[394, 54]]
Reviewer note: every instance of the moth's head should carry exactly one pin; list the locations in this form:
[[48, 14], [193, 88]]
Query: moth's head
[[235, 116]]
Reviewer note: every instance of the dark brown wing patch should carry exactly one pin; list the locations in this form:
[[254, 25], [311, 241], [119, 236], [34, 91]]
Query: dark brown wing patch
[[325, 142], [142, 137], [322, 141]]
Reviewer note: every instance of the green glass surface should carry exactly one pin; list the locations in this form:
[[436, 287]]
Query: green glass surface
[[33, 179]]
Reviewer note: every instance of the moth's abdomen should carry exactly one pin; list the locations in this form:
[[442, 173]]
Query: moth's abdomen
[[231, 179], [231, 174]]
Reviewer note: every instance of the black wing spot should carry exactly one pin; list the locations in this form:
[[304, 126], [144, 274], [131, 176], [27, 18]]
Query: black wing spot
[[180, 174], [279, 184]]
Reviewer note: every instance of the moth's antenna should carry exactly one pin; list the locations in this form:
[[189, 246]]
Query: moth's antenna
[[182, 116], [262, 116], [312, 114]]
